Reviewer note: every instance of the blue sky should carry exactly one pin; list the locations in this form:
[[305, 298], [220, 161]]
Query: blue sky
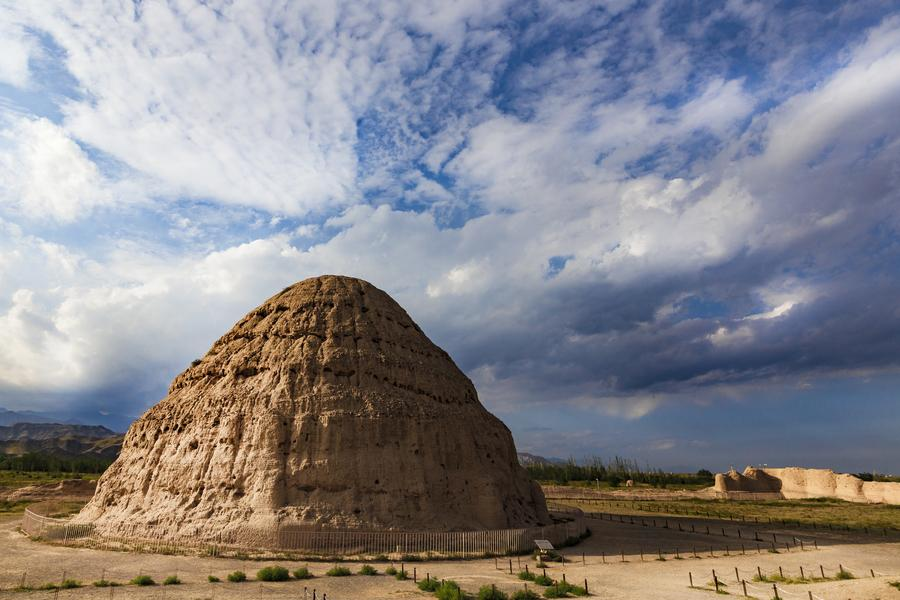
[[663, 230]]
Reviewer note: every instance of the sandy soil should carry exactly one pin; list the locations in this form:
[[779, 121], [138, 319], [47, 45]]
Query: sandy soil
[[607, 576]]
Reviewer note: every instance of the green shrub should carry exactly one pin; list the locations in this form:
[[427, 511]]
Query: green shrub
[[69, 584], [302, 573], [450, 590], [554, 592], [143, 580], [402, 575], [526, 575], [429, 585], [337, 571], [213, 579], [275, 573], [390, 571], [368, 570], [489, 592], [106, 583], [543, 580], [525, 595], [843, 574], [171, 580], [237, 577]]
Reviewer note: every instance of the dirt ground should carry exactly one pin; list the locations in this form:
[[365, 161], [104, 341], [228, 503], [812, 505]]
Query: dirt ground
[[597, 560]]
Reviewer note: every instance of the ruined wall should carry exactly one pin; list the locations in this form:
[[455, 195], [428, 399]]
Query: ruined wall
[[795, 482]]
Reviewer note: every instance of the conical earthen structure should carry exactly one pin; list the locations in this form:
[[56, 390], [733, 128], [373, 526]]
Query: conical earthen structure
[[326, 406]]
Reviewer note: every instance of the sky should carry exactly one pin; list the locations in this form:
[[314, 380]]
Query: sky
[[668, 231]]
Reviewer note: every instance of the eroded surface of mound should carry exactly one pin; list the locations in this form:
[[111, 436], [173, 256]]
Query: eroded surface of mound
[[326, 406]]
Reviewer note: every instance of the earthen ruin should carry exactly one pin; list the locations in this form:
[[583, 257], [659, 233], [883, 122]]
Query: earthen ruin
[[793, 482], [325, 407]]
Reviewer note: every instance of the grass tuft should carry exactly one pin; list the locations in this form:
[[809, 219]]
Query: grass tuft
[[143, 580], [171, 580], [237, 577], [368, 570], [302, 573], [488, 592], [337, 571], [213, 579]]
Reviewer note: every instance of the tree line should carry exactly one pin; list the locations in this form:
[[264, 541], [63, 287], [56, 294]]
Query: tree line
[[613, 472], [49, 463]]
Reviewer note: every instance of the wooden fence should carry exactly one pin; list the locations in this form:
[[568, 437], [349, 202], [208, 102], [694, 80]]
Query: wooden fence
[[569, 524]]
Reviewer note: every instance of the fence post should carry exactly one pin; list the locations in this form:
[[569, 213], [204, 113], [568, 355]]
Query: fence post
[[691, 578], [775, 588], [744, 585]]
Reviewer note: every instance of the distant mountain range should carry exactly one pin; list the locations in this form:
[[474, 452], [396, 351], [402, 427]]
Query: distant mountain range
[[526, 460], [11, 417], [59, 439], [114, 422]]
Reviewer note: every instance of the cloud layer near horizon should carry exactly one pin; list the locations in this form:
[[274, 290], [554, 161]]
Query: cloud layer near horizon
[[608, 207]]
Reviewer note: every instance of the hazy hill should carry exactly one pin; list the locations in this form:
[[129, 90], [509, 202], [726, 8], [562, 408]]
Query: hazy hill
[[526, 460], [11, 417], [59, 439]]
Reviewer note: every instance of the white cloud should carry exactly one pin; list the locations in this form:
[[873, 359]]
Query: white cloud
[[16, 49], [718, 108], [856, 105], [44, 174]]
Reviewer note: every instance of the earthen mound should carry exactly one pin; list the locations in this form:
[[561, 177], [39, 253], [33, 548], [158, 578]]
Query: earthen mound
[[325, 407]]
